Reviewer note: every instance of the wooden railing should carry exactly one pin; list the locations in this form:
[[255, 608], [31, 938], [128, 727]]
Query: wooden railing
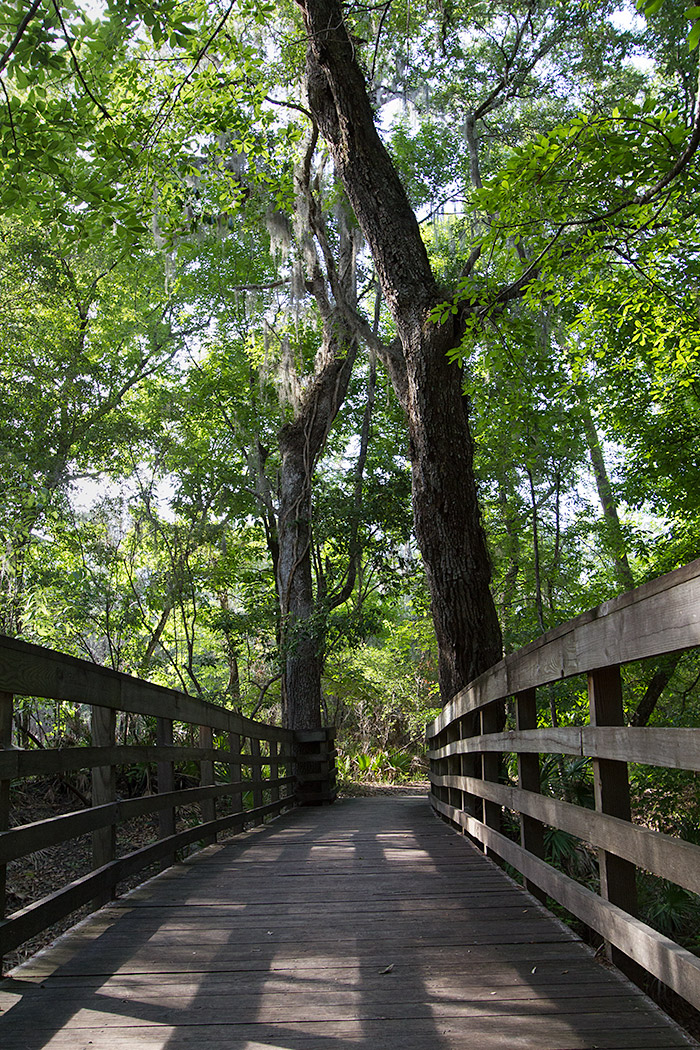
[[467, 741], [244, 767]]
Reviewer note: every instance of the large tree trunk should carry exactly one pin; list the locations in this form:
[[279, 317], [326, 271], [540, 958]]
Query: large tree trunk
[[301, 443], [301, 644], [447, 517], [446, 513]]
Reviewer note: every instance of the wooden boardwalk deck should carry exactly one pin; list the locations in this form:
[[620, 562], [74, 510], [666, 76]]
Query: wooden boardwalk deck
[[368, 924]]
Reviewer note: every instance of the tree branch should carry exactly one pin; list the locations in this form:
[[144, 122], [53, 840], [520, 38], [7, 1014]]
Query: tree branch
[[9, 114], [78, 71], [7, 55]]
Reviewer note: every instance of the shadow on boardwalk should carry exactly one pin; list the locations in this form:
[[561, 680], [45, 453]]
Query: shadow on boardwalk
[[367, 925]]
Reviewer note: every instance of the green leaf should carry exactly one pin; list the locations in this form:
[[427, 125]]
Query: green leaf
[[694, 37]]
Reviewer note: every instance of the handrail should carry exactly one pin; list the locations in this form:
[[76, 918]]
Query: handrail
[[260, 760], [467, 739]]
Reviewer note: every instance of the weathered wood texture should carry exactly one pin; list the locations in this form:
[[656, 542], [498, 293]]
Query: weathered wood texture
[[672, 748], [30, 669], [104, 791], [652, 851], [369, 926], [661, 617]]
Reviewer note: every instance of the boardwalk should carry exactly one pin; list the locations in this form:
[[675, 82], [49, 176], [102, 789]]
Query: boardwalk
[[368, 924]]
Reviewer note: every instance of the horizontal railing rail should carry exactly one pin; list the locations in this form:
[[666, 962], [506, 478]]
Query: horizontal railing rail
[[245, 771], [467, 742]]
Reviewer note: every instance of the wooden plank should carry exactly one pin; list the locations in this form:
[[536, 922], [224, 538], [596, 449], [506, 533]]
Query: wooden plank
[[207, 806], [401, 956], [531, 828], [440, 976], [662, 616], [30, 670], [74, 957], [618, 877], [274, 772], [668, 747], [25, 839], [165, 783], [256, 759], [660, 854], [29, 921], [672, 748], [490, 1032], [491, 767], [389, 1000], [565, 740], [104, 791], [660, 956], [6, 711], [234, 743], [15, 764]]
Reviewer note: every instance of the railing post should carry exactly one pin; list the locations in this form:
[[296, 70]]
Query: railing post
[[612, 794], [256, 775], [166, 782], [531, 830], [490, 770], [234, 746], [450, 766], [469, 765], [103, 728], [274, 772], [206, 779], [314, 765], [6, 705]]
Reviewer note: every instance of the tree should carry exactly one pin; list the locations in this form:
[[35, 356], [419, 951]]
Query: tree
[[576, 229], [447, 516], [548, 197], [80, 331]]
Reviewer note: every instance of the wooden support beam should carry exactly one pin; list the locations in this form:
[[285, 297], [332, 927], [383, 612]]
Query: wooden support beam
[[531, 830], [255, 770], [104, 790], [234, 744], [447, 767], [469, 765], [166, 783], [206, 779], [491, 722], [618, 883], [274, 772], [6, 707]]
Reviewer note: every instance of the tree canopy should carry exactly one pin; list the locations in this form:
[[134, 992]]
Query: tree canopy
[[325, 323]]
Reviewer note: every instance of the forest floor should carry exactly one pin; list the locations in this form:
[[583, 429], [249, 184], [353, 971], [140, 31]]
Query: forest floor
[[360, 789]]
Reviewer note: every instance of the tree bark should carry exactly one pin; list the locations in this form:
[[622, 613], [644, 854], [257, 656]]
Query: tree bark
[[301, 442], [300, 641], [446, 511]]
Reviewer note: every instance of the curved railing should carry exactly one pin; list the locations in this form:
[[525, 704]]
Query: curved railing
[[244, 769], [467, 741]]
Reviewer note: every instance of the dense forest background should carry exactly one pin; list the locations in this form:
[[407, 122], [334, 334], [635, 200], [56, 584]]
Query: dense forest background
[[207, 418]]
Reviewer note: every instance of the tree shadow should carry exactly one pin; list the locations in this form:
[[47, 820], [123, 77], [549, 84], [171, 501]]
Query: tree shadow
[[368, 924]]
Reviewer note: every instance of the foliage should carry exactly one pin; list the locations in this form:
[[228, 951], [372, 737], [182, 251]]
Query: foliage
[[157, 327], [375, 766]]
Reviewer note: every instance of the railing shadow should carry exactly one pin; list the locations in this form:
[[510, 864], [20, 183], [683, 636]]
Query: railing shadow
[[344, 950]]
